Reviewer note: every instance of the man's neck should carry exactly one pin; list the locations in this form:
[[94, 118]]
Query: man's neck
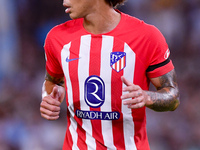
[[102, 21]]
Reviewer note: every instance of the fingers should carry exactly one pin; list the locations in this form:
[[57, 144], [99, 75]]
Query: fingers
[[136, 100], [50, 105], [132, 90], [51, 101], [135, 103], [129, 85], [58, 93], [61, 93], [131, 94], [125, 81], [50, 108], [134, 96], [55, 93], [49, 115]]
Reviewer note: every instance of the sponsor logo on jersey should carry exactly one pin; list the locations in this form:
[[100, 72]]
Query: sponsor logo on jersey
[[94, 94], [94, 91], [167, 53], [68, 60], [118, 61], [97, 115]]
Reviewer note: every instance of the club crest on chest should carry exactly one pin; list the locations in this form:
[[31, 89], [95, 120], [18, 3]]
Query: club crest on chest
[[118, 60]]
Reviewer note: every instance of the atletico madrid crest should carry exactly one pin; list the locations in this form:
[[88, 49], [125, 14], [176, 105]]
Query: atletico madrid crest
[[118, 60]]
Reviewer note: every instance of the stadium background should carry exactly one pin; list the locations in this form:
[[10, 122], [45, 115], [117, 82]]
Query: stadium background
[[23, 27]]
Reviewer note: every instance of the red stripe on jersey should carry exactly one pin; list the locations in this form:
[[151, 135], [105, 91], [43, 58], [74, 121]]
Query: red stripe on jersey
[[68, 137], [73, 65], [120, 63], [140, 136], [95, 55], [95, 60], [116, 92]]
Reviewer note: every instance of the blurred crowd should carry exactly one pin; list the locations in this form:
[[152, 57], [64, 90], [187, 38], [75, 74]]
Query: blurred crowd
[[23, 28]]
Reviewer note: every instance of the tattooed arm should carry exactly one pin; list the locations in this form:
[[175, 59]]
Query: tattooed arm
[[167, 95], [166, 98], [58, 81], [53, 93]]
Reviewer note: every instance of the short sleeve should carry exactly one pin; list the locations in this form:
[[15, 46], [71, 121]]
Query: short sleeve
[[52, 55], [159, 61]]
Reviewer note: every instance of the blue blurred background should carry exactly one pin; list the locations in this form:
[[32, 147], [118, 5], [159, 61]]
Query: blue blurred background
[[23, 27]]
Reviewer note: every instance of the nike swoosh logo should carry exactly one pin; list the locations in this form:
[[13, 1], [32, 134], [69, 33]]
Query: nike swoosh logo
[[68, 60]]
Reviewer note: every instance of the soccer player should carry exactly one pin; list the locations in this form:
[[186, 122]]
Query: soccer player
[[105, 60]]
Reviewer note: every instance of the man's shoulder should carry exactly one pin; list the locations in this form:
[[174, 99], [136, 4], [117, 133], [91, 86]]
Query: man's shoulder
[[139, 27], [135, 22], [66, 27]]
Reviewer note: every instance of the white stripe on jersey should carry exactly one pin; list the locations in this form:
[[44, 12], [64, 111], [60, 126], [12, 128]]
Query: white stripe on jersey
[[105, 73], [73, 126], [83, 73], [127, 113], [118, 65]]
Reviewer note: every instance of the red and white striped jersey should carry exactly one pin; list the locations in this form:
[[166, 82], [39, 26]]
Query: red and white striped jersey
[[92, 66]]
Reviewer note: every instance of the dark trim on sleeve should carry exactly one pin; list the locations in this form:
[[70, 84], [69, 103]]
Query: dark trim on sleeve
[[153, 67]]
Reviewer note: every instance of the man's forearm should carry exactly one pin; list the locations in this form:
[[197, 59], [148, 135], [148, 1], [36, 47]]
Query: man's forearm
[[58, 81], [166, 99], [50, 82]]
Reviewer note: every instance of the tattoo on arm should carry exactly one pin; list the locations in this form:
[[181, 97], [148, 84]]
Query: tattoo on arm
[[58, 81], [167, 96]]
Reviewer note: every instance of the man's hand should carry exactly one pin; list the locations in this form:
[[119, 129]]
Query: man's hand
[[50, 105], [166, 98], [138, 97]]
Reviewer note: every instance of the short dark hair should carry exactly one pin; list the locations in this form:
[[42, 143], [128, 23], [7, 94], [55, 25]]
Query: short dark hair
[[114, 3]]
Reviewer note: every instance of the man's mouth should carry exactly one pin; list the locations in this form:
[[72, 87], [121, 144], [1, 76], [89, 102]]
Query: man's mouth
[[67, 10]]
